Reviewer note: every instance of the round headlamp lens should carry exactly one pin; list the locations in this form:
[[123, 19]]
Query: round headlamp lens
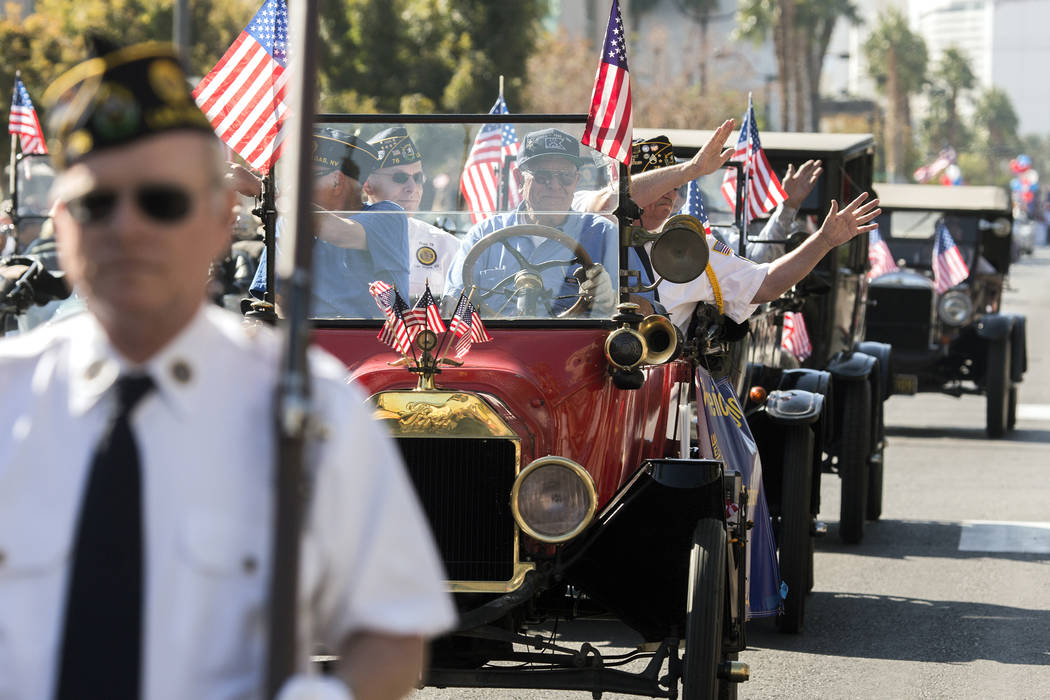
[[554, 500], [955, 308]]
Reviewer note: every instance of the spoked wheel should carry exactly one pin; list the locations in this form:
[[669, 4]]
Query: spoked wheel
[[705, 605], [853, 461], [793, 545], [997, 387]]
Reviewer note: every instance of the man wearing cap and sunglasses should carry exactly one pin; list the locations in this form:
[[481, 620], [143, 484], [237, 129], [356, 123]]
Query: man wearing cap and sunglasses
[[549, 163], [136, 503], [399, 178], [356, 243]]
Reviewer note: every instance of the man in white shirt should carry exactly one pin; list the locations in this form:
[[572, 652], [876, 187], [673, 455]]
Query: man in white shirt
[[399, 178], [159, 407]]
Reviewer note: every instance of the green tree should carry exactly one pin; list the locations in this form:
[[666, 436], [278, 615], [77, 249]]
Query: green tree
[[801, 31], [950, 81], [995, 125], [896, 59]]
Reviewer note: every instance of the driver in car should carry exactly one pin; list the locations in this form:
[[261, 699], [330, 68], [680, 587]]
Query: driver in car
[[549, 162]]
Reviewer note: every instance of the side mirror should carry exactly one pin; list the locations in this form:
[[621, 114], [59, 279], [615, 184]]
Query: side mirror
[[680, 253]]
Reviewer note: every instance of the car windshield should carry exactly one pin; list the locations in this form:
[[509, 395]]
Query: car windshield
[[910, 234], [492, 210]]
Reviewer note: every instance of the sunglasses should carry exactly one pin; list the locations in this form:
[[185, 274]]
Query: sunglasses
[[162, 203], [544, 177], [401, 177]]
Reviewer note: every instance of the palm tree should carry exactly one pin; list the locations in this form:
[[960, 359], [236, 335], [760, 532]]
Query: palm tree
[[896, 59], [951, 78]]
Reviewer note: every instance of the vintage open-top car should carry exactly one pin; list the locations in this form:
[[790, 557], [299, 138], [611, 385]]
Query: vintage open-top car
[[825, 415], [956, 340], [557, 463]]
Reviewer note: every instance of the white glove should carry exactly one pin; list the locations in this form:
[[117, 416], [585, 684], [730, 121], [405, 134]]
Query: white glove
[[314, 687], [598, 286]]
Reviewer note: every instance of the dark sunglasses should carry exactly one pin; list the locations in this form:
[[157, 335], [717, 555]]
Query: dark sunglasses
[[544, 177], [401, 177], [164, 204]]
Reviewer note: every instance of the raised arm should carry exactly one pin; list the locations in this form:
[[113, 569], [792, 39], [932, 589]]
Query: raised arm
[[839, 227]]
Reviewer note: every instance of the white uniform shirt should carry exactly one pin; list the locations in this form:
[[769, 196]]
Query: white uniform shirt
[[206, 446], [738, 279], [431, 251]]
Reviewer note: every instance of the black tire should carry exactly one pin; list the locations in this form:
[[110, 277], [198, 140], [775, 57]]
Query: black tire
[[1011, 413], [875, 471], [793, 545], [705, 606], [854, 452], [997, 387]]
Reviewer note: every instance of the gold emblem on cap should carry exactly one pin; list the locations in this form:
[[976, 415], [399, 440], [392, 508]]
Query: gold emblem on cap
[[168, 81]]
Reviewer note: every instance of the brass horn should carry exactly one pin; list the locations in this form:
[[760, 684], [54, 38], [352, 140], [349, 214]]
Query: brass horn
[[662, 341]]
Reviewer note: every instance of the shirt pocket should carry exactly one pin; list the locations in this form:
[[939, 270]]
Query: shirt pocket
[[218, 545], [34, 554]]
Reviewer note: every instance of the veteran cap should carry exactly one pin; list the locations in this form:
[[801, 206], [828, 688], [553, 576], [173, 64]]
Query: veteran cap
[[122, 95], [338, 150], [549, 142], [650, 154], [394, 147]]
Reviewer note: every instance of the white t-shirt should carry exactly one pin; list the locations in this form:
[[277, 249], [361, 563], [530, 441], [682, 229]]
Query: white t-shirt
[[207, 452], [431, 251]]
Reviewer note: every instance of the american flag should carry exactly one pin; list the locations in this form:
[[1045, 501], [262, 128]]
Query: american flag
[[694, 205], [466, 325], [949, 268], [426, 313], [795, 339], [927, 172], [762, 189], [879, 256], [244, 94], [609, 128], [24, 120], [480, 183], [396, 332]]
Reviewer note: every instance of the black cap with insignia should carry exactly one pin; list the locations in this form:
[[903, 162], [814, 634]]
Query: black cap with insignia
[[394, 147], [338, 150], [650, 154], [549, 142], [121, 95]]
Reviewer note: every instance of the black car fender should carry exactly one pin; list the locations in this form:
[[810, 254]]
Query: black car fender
[[852, 366], [995, 326], [794, 406], [883, 352]]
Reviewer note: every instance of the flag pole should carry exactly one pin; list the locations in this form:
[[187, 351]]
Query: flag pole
[[292, 405], [13, 182]]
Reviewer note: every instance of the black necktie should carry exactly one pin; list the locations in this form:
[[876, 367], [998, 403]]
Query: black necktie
[[101, 641]]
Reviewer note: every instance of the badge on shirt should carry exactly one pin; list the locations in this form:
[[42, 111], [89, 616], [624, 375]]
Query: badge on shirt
[[426, 255]]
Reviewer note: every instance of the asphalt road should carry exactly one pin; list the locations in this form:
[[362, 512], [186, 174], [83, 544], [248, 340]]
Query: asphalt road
[[948, 596]]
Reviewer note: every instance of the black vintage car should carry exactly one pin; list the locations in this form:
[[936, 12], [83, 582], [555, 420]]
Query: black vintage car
[[825, 415], [956, 341]]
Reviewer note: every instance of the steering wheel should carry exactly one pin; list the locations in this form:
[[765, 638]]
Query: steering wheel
[[528, 281]]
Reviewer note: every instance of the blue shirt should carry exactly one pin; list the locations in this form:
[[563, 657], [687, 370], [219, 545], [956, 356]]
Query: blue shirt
[[597, 234], [342, 275]]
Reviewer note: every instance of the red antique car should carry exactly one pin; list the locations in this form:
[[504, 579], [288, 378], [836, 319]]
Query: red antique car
[[557, 462]]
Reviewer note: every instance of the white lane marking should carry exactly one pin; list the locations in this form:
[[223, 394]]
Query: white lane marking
[[1033, 411], [1003, 536]]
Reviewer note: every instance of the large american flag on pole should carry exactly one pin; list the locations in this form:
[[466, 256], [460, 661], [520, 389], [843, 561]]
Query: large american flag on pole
[[609, 128], [480, 182], [24, 121], [244, 94], [879, 256], [949, 268], [762, 189]]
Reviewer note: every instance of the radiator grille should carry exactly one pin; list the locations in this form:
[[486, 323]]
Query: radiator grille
[[900, 317], [464, 486]]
